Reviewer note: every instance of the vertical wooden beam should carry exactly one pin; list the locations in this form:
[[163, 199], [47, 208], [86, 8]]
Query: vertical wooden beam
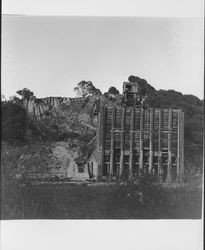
[[131, 143], [182, 145], [100, 142], [141, 140], [122, 141], [99, 149], [103, 115], [112, 143], [178, 144], [151, 142], [135, 99], [180, 162], [98, 128], [160, 146], [169, 166]]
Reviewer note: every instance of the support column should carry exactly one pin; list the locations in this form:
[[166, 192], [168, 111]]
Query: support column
[[100, 141], [160, 146], [122, 140], [141, 140], [131, 143], [112, 143], [135, 99], [180, 146], [151, 142], [103, 138], [169, 166]]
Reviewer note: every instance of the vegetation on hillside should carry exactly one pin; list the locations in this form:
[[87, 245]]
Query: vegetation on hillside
[[75, 120], [13, 121], [86, 88], [25, 93]]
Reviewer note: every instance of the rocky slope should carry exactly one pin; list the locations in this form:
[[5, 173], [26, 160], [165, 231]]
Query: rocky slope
[[57, 132], [39, 108], [44, 161], [67, 124]]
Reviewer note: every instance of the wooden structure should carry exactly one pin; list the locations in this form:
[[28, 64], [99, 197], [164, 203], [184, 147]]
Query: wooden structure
[[134, 141]]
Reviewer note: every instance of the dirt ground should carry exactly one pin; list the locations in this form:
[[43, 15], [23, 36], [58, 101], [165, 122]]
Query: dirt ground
[[71, 201]]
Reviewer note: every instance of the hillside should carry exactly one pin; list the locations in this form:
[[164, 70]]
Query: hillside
[[31, 122]]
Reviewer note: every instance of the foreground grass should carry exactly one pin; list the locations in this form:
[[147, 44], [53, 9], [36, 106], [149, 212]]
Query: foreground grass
[[100, 202]]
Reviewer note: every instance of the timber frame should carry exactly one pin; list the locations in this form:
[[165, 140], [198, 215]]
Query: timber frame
[[135, 141]]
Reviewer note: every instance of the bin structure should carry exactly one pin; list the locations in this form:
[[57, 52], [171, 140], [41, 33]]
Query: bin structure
[[135, 141]]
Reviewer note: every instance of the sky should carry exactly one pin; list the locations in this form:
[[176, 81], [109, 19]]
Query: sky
[[159, 8], [51, 54], [49, 46]]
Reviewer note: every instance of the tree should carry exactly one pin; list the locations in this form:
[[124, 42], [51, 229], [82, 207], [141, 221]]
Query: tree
[[14, 99], [145, 88], [25, 93], [113, 91], [13, 121], [3, 98], [86, 88]]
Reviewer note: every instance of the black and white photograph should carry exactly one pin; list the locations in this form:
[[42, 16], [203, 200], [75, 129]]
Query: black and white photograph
[[102, 116]]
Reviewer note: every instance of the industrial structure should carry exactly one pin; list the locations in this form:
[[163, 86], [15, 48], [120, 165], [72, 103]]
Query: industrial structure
[[135, 141]]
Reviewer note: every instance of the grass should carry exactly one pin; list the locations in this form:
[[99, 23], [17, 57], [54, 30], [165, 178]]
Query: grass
[[100, 202]]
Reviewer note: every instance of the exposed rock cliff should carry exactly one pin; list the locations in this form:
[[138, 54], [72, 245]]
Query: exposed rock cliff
[[58, 119], [45, 160], [37, 108]]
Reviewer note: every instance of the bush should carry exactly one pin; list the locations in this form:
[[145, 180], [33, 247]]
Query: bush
[[113, 91], [13, 122]]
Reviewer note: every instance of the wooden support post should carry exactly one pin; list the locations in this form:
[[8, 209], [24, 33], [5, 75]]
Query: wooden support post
[[160, 146], [180, 146], [122, 141], [99, 129], [169, 164], [112, 143], [141, 140], [99, 146], [135, 99], [151, 142], [131, 143], [102, 140]]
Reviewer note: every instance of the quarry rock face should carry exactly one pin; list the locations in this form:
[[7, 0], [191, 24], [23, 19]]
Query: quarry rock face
[[69, 117], [54, 160], [37, 107], [61, 110], [62, 118]]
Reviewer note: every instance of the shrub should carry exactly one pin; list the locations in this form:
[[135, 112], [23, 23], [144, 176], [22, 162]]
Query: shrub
[[13, 122]]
